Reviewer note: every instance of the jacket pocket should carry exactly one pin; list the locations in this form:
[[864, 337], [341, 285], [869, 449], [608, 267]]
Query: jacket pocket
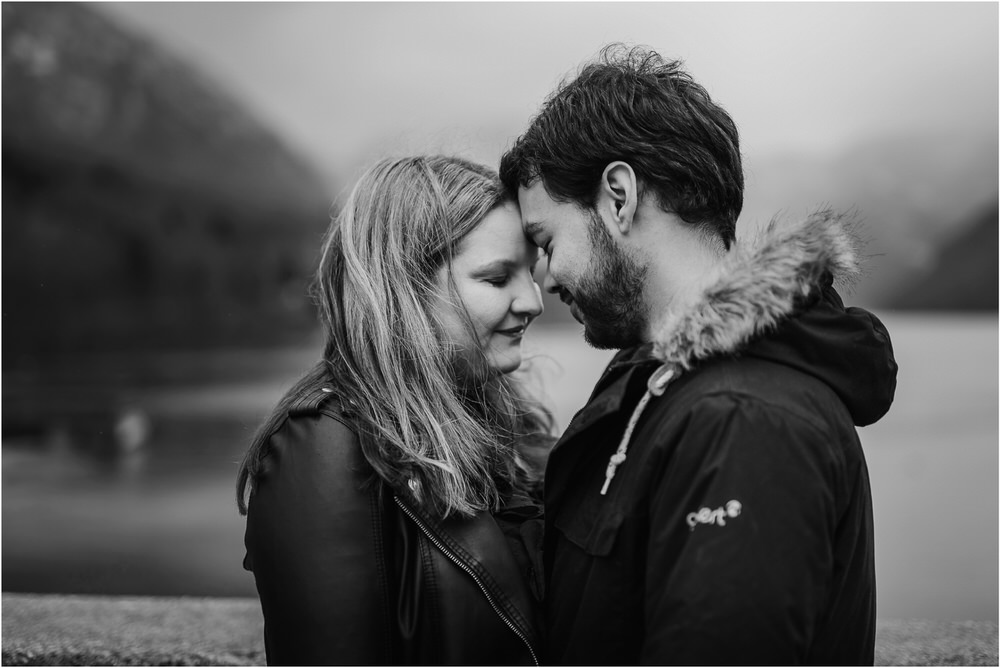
[[593, 527]]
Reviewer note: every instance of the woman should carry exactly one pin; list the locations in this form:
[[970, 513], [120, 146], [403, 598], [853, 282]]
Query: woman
[[388, 491]]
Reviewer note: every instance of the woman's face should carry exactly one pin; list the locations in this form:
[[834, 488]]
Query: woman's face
[[492, 271]]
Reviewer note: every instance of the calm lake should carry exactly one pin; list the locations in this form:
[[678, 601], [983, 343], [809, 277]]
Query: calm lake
[[129, 488]]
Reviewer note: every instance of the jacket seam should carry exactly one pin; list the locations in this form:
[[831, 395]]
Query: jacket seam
[[743, 396], [380, 568], [434, 609], [325, 412], [819, 435], [336, 416]]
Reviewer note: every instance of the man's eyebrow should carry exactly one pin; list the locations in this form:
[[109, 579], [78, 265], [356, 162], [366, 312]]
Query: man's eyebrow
[[532, 228]]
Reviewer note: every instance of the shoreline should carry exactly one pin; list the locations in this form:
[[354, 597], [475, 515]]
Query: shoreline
[[56, 629]]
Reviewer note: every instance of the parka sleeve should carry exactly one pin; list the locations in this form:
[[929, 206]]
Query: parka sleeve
[[742, 525], [310, 542]]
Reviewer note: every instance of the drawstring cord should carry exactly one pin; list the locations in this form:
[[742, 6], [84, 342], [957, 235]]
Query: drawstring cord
[[654, 387]]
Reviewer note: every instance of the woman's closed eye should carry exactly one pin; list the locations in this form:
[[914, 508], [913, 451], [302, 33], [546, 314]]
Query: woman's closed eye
[[498, 281]]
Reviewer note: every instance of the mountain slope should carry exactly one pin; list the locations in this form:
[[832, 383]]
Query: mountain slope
[[78, 88], [142, 206], [964, 275]]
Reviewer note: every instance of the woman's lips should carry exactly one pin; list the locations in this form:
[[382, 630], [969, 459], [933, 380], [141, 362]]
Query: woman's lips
[[513, 331]]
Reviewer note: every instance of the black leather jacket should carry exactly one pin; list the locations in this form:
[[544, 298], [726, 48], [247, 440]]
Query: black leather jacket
[[349, 573]]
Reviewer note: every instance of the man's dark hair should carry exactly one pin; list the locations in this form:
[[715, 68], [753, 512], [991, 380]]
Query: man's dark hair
[[634, 106]]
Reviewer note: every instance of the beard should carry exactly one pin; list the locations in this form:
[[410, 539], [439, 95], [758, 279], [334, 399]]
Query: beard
[[610, 296]]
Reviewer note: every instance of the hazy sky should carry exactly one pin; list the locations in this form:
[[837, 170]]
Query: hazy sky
[[345, 82]]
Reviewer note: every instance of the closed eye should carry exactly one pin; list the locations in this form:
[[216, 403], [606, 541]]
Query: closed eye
[[498, 281]]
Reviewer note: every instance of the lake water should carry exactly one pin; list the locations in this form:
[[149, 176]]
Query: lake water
[[132, 489]]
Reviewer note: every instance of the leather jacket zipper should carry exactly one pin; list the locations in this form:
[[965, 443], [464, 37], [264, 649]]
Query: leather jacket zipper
[[468, 569]]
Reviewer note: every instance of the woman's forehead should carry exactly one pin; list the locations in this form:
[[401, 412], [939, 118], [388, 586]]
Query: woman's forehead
[[498, 233]]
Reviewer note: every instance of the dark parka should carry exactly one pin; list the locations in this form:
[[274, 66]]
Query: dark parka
[[350, 573], [738, 527]]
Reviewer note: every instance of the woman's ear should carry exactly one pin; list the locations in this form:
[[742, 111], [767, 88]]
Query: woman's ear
[[618, 197]]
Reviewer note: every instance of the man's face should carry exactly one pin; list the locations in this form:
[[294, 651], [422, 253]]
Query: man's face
[[587, 268]]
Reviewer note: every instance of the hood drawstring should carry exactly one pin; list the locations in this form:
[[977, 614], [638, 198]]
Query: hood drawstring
[[654, 387]]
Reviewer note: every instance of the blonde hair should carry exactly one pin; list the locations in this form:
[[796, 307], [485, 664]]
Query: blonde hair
[[430, 426]]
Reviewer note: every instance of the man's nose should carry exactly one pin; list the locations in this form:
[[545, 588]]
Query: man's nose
[[550, 284]]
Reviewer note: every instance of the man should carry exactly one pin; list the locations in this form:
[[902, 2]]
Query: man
[[710, 504]]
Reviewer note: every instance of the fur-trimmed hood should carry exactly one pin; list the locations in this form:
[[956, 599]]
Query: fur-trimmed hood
[[787, 270], [758, 285], [773, 298]]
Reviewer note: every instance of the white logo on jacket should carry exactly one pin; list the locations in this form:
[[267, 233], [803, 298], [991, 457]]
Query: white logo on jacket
[[717, 516]]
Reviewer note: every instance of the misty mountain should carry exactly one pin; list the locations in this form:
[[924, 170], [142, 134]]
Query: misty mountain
[[963, 277], [142, 206], [78, 88], [914, 193]]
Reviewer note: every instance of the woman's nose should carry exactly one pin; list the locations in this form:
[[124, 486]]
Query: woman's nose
[[528, 300]]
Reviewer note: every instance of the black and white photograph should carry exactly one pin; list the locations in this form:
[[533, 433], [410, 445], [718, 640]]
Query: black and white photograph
[[500, 333]]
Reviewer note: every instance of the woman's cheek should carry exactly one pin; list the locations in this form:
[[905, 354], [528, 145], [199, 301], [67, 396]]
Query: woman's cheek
[[486, 308]]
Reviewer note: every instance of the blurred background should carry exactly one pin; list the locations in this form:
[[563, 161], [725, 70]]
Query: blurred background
[[169, 169]]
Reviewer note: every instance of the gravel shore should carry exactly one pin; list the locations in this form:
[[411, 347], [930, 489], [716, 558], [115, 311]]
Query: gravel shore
[[130, 631]]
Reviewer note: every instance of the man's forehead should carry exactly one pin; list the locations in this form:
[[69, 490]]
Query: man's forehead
[[535, 202]]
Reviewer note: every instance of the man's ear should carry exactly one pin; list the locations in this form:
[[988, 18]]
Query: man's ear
[[618, 197]]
